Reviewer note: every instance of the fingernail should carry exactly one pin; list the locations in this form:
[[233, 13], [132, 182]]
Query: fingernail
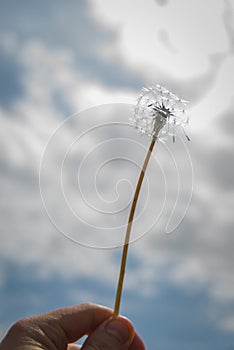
[[119, 329]]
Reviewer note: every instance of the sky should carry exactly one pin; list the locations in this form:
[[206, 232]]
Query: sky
[[70, 75]]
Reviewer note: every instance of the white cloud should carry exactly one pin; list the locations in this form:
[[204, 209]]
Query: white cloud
[[28, 237], [228, 324], [215, 102], [177, 39], [25, 131], [40, 63], [93, 94]]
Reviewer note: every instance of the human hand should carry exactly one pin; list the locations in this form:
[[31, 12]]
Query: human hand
[[59, 329]]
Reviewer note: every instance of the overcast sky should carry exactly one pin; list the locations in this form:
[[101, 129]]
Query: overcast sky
[[70, 75]]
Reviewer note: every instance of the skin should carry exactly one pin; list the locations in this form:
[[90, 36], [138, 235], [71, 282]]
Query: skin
[[59, 329]]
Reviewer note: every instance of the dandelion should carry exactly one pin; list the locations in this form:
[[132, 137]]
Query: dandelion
[[158, 113]]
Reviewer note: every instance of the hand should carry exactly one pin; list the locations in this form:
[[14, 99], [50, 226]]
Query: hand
[[57, 330]]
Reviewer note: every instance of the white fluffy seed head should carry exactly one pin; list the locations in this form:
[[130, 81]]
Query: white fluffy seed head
[[158, 112]]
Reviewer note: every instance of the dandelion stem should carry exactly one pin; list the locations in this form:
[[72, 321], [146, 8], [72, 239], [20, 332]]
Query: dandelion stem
[[128, 231]]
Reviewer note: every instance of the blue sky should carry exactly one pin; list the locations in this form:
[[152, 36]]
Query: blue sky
[[70, 74]]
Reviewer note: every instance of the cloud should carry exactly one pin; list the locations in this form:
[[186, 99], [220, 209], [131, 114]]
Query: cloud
[[138, 28], [83, 40], [26, 132], [228, 325], [228, 16], [162, 2], [225, 124]]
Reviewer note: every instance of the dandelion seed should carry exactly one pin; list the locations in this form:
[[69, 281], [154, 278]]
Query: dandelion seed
[[158, 113]]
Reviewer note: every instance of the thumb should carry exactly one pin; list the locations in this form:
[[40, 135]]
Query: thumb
[[116, 333]]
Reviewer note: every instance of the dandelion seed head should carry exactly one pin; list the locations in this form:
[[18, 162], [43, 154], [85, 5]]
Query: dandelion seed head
[[159, 112]]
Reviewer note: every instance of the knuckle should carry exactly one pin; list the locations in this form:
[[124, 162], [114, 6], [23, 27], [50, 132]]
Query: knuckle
[[20, 326]]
